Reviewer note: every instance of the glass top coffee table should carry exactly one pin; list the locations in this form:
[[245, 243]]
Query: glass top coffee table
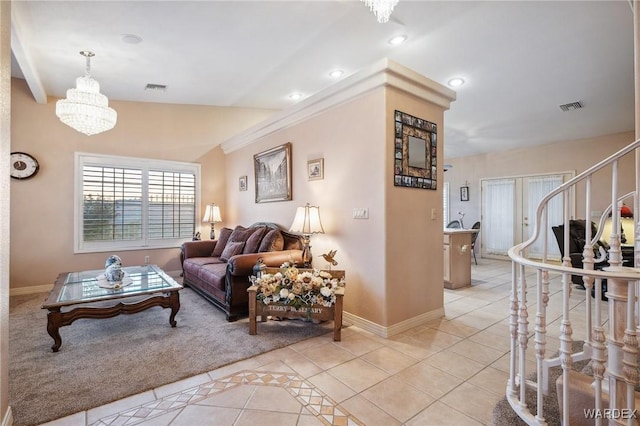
[[143, 287]]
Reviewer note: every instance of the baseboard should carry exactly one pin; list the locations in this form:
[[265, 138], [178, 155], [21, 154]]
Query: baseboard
[[22, 291], [395, 329], [8, 418]]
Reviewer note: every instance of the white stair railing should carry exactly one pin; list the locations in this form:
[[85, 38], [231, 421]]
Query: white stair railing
[[610, 341]]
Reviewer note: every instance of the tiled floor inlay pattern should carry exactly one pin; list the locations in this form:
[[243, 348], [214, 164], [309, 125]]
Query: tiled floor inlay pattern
[[316, 402]]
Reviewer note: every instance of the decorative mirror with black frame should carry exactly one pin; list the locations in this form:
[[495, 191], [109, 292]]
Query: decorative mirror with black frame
[[415, 152]]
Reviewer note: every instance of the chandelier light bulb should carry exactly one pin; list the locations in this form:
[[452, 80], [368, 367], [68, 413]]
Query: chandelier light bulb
[[86, 109], [381, 8]]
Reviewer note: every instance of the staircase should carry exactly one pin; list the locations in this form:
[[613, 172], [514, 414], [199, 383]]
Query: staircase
[[608, 396]]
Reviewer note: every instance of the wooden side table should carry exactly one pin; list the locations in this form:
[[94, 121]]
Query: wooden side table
[[313, 312]]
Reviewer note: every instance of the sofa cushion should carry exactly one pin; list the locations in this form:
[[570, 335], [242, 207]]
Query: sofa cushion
[[272, 241], [223, 237], [196, 262], [231, 249], [214, 276], [253, 242]]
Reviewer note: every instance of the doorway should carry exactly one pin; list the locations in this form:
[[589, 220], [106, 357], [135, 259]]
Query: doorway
[[508, 207]]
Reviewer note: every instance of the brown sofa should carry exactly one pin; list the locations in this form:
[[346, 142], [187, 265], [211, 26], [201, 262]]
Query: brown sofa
[[219, 270]]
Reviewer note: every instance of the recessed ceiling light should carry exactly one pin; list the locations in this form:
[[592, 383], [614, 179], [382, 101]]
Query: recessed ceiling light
[[397, 40], [456, 82], [336, 73], [131, 39], [295, 96]]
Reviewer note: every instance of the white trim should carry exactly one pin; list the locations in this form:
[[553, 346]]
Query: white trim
[[395, 329], [8, 418], [23, 291], [382, 73]]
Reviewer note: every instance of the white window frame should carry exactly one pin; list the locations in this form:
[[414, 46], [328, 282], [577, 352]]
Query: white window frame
[[446, 204], [82, 159]]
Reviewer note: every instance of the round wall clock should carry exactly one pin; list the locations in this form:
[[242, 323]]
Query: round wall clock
[[23, 166]]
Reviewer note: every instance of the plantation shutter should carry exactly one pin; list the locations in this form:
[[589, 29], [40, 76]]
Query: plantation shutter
[[112, 204], [172, 198]]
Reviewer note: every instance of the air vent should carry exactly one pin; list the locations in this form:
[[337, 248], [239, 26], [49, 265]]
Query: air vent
[[571, 107], [156, 87]]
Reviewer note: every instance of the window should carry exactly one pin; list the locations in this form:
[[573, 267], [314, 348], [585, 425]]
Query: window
[[124, 203], [445, 204]]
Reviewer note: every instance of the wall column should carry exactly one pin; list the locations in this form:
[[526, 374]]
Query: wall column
[[5, 148]]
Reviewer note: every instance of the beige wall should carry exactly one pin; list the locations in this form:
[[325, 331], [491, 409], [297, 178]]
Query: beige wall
[[42, 207], [575, 156], [414, 241], [5, 148], [350, 139], [384, 256]]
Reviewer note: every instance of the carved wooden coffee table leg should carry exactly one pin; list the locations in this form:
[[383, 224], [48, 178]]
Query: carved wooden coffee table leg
[[174, 300], [54, 322]]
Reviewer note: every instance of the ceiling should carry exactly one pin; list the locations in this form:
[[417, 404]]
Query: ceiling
[[520, 60]]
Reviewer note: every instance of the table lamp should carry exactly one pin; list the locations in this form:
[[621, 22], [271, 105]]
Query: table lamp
[[212, 215], [307, 222]]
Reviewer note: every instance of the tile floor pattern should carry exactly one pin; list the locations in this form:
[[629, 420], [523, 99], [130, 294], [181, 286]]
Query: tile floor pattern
[[450, 371]]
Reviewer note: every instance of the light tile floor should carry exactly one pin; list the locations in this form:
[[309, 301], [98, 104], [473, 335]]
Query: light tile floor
[[450, 371]]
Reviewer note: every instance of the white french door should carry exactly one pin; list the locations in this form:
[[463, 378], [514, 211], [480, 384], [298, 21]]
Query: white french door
[[508, 213]]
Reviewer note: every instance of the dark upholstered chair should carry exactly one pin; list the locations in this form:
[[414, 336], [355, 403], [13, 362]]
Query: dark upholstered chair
[[455, 224], [577, 233], [474, 237]]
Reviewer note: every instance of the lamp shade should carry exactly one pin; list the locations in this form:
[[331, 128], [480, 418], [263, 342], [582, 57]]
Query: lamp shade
[[307, 220], [212, 214]]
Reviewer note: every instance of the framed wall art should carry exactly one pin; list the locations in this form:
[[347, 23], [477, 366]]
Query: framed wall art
[[273, 174], [242, 183], [415, 152], [315, 169], [464, 193]]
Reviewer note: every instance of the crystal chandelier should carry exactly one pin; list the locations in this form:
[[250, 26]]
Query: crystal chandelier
[[86, 109], [381, 8]]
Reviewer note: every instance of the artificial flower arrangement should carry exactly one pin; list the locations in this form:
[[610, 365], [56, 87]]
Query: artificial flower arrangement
[[297, 288]]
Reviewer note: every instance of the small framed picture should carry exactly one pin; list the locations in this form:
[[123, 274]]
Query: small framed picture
[[315, 169], [242, 185], [464, 193]]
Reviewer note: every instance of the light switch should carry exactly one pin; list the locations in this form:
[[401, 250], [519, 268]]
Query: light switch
[[433, 214], [361, 213]]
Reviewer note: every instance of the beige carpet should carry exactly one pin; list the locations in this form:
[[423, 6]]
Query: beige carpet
[[104, 360]]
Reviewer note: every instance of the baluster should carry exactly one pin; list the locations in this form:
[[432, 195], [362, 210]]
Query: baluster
[[588, 262], [513, 329], [565, 328], [565, 354], [541, 336], [630, 350], [616, 345], [598, 357], [523, 334]]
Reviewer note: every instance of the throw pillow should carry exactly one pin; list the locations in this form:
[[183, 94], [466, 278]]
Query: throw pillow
[[273, 241], [223, 237], [291, 241], [240, 234], [231, 249], [253, 242]]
